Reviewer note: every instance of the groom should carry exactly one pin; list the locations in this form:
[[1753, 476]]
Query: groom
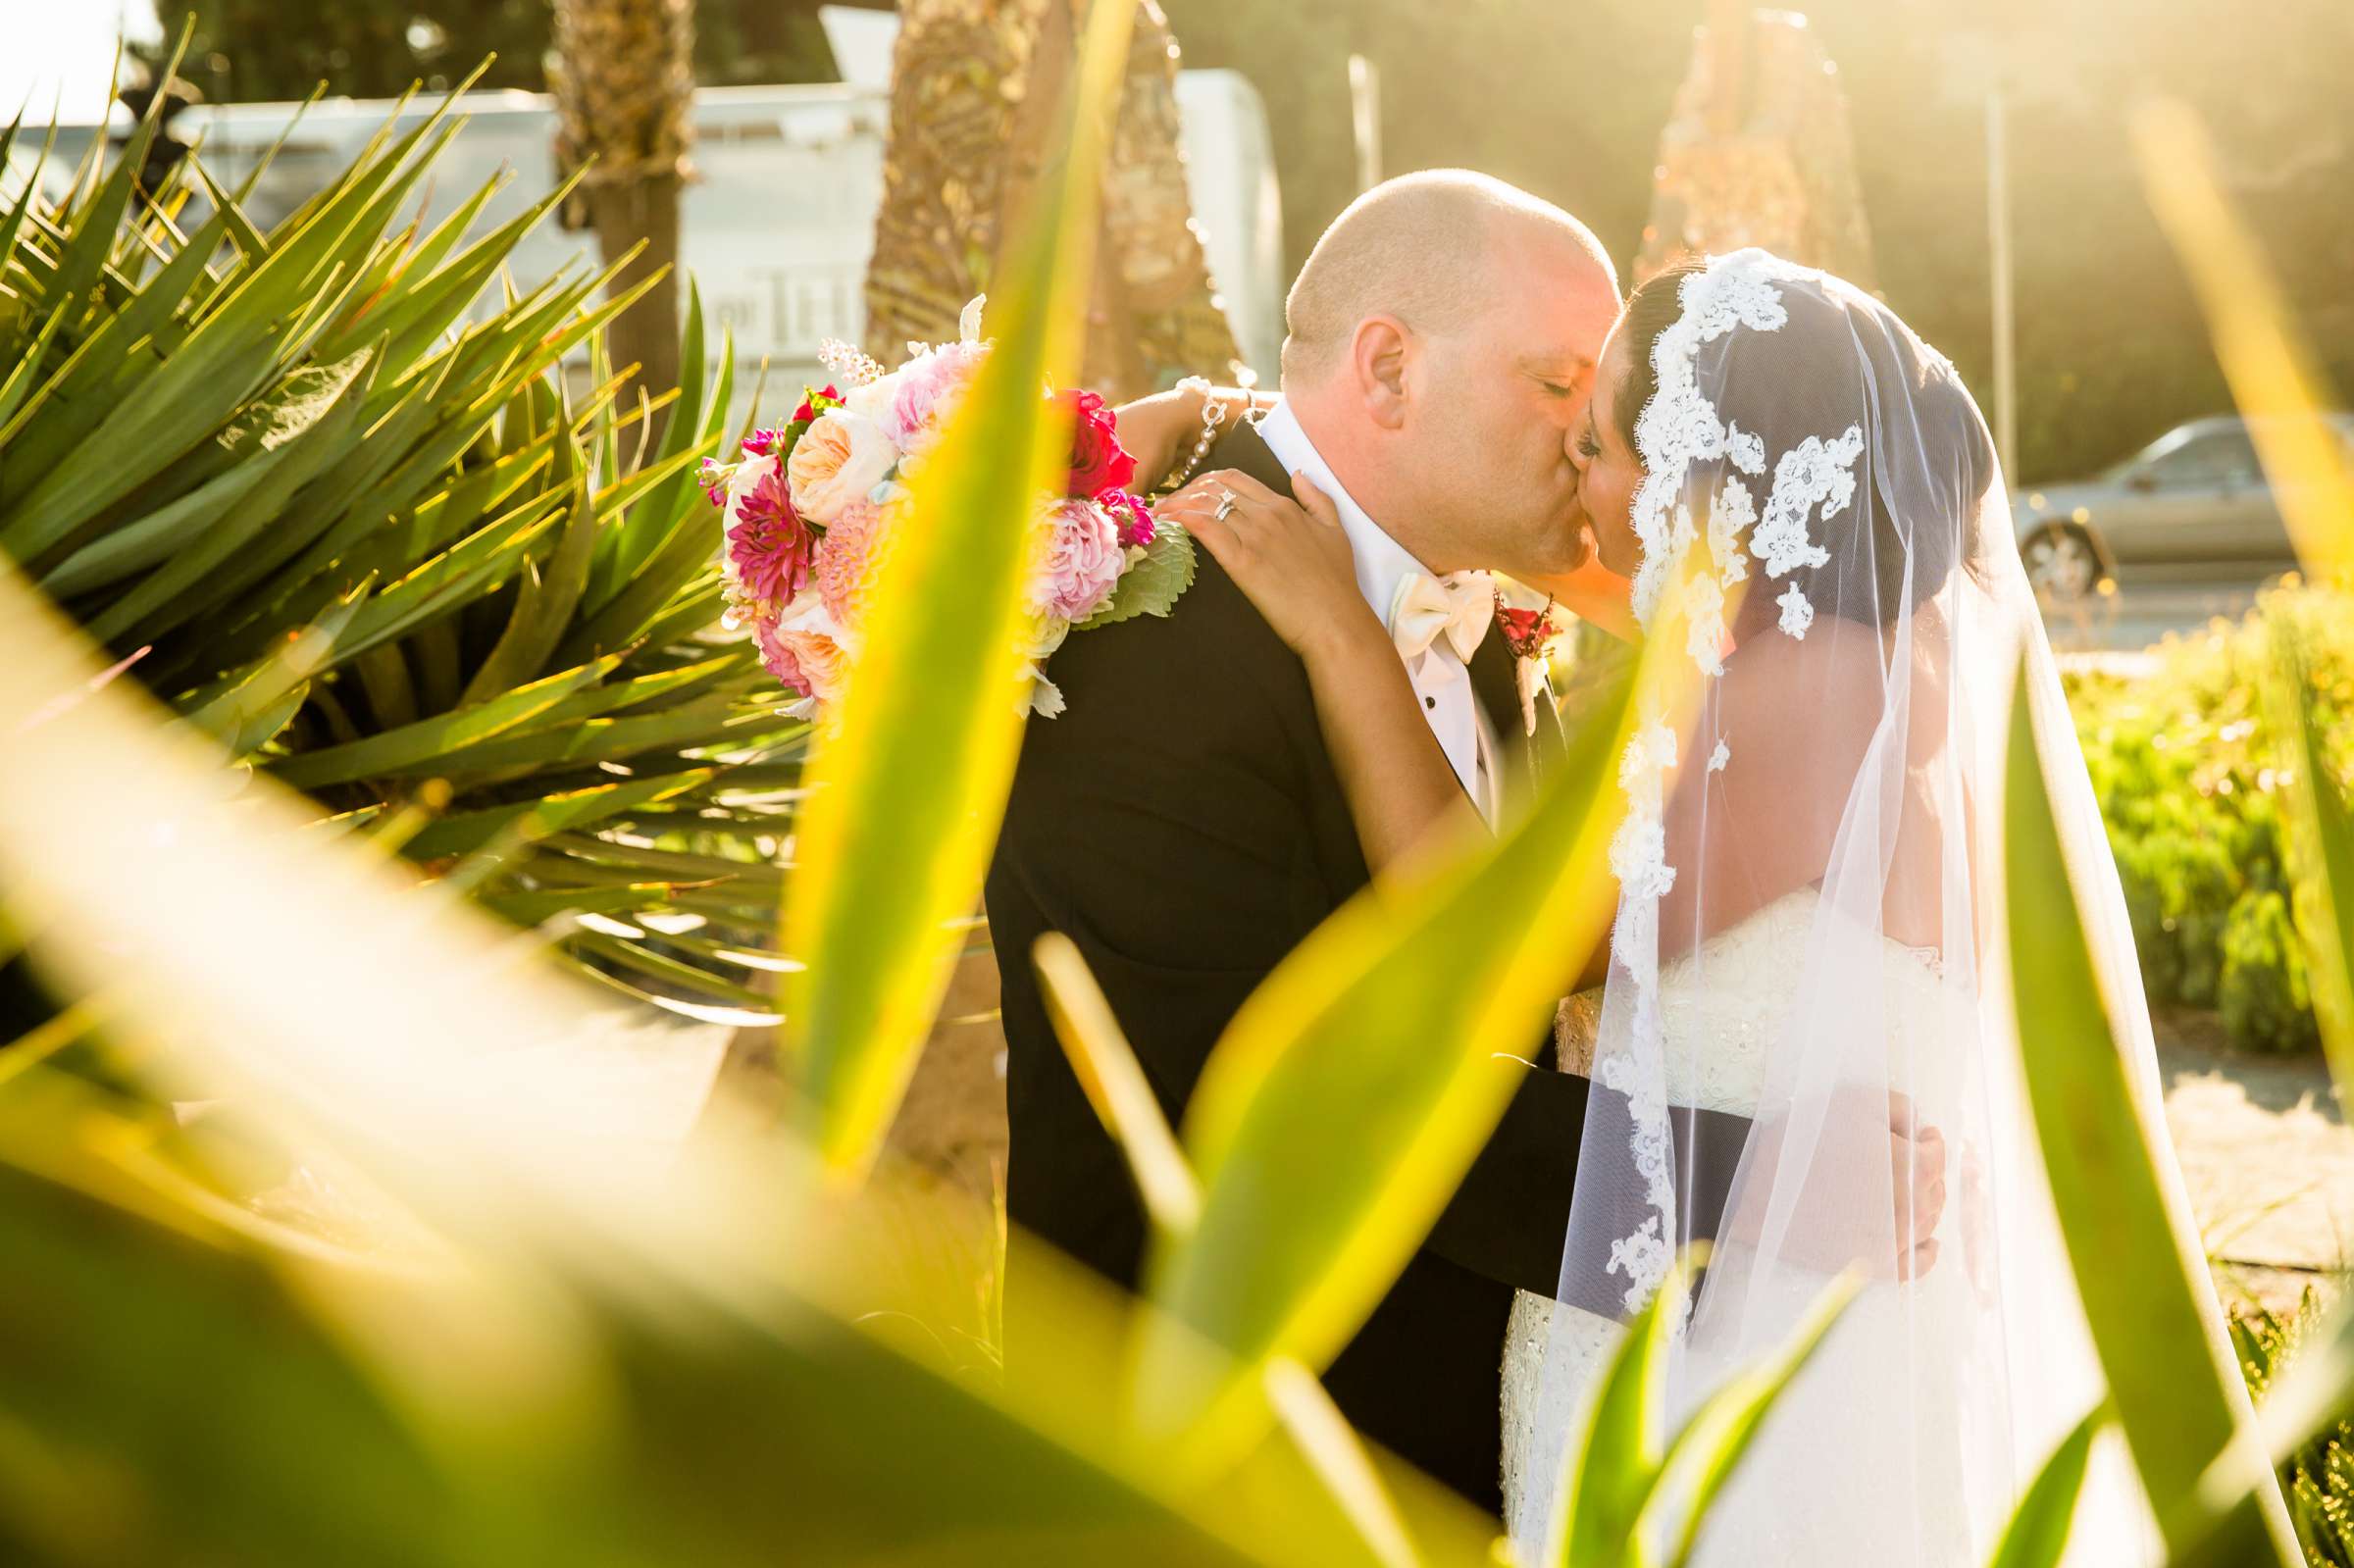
[[1182, 823]]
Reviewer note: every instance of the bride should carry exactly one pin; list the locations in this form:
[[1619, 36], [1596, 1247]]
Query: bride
[[1809, 922]]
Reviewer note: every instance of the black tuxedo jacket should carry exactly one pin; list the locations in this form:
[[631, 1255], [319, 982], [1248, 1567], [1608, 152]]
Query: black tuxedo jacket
[[1181, 822]]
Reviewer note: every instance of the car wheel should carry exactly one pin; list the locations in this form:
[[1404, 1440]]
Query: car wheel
[[2062, 564]]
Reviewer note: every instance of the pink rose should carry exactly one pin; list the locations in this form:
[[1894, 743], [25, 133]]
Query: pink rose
[[839, 460], [929, 391], [1083, 562], [803, 658]]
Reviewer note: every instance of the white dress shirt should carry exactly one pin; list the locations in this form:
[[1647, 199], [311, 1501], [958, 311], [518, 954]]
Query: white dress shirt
[[1438, 676]]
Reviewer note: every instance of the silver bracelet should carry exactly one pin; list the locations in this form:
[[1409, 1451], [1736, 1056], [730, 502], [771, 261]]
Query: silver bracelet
[[1214, 416]]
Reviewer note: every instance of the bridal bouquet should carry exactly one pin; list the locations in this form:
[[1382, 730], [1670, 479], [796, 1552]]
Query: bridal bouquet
[[808, 507]]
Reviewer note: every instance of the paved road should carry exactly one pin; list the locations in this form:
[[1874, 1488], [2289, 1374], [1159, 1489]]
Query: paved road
[[2144, 609], [2269, 1159]]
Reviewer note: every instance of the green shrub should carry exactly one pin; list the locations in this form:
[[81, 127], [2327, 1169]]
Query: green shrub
[[2189, 778], [2319, 1477]]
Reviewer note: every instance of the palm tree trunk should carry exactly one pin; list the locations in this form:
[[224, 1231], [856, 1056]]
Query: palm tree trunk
[[624, 82]]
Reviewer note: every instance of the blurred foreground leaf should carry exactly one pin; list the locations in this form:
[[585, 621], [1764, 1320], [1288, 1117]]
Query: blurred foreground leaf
[[905, 799], [2137, 1263]]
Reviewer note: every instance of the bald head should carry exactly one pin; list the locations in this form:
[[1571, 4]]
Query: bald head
[[1421, 248]]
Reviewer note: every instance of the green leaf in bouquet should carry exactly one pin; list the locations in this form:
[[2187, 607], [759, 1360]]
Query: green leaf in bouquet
[[1154, 584]]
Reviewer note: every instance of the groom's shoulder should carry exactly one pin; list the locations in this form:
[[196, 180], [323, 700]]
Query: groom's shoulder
[[1212, 645]]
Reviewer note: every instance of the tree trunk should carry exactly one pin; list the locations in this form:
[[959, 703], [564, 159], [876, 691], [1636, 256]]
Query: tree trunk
[[974, 83], [624, 81], [646, 335]]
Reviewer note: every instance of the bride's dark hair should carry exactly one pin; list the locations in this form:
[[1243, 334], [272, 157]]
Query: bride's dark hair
[[1815, 376]]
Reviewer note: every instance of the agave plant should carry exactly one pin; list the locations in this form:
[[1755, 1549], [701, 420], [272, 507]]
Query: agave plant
[[386, 551]]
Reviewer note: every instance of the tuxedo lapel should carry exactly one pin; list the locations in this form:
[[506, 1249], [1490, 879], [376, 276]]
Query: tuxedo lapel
[[1527, 754]]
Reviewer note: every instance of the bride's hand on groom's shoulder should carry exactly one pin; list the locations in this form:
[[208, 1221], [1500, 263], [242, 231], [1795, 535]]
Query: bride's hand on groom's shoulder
[[1289, 556]]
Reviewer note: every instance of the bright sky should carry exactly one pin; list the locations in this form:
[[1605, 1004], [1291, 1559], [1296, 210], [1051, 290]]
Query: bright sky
[[63, 45]]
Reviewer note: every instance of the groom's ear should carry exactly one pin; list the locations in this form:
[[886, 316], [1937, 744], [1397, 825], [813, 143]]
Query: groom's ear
[[1379, 355]]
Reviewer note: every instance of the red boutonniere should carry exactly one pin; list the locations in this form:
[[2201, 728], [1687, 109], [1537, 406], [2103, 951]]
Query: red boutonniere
[[1530, 635]]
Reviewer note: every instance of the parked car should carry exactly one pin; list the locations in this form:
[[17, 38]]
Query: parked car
[[2192, 504]]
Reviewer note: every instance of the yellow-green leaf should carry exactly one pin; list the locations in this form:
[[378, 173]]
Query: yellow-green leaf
[[2139, 1267], [907, 797]]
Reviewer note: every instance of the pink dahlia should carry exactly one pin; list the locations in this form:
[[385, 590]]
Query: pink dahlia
[[846, 559], [1133, 516], [769, 548]]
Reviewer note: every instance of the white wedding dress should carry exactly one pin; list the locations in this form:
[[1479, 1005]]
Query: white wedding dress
[[1723, 1007], [1827, 575]]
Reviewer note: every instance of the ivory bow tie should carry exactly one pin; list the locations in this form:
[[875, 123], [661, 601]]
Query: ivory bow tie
[[1459, 607]]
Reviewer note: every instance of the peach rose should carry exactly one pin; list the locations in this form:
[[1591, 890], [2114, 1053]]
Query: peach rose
[[838, 461]]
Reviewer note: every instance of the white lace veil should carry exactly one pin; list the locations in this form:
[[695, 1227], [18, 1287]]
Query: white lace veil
[[1811, 923]]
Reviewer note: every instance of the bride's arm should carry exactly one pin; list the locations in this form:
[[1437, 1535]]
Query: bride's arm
[[1169, 430], [1293, 561]]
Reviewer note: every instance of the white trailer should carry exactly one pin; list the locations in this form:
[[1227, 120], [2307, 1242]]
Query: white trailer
[[778, 223]]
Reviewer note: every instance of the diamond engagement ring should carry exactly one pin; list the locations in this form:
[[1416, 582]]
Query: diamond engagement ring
[[1225, 505]]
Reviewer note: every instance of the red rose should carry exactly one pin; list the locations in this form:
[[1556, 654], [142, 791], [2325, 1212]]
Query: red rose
[[1526, 631], [808, 409], [1098, 462]]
